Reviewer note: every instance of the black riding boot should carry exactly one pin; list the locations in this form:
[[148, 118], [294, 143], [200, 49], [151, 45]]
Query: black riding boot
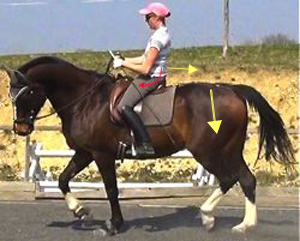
[[143, 147]]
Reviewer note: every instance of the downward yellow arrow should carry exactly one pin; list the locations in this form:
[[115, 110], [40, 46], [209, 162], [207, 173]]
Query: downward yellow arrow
[[191, 69], [215, 125]]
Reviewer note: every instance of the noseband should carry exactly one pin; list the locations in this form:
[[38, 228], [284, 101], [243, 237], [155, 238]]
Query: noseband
[[30, 119], [14, 98]]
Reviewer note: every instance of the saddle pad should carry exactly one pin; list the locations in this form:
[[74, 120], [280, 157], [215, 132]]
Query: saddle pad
[[157, 109]]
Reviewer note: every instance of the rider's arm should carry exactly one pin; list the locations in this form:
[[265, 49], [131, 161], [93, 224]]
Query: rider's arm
[[136, 60], [146, 65]]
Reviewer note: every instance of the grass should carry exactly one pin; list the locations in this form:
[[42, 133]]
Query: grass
[[207, 59]]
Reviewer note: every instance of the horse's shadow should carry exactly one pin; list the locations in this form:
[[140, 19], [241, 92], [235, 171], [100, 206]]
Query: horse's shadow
[[182, 217], [79, 225]]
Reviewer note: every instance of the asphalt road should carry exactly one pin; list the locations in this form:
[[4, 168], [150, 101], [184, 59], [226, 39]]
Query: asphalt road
[[51, 221]]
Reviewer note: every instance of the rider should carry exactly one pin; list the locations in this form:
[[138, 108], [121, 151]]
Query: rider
[[150, 66]]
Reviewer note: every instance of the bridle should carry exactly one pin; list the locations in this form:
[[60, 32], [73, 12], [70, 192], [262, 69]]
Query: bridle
[[14, 99], [31, 118], [73, 102]]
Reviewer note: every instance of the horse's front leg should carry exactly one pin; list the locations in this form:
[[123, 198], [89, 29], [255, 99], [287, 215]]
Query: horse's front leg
[[106, 165], [78, 162]]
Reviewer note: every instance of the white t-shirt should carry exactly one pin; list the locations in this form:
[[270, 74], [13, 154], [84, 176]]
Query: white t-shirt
[[160, 39]]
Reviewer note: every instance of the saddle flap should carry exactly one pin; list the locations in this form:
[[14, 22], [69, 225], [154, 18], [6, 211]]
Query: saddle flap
[[115, 97], [155, 109]]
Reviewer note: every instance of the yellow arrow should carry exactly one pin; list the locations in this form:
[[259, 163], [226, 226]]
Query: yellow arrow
[[191, 69], [215, 125]]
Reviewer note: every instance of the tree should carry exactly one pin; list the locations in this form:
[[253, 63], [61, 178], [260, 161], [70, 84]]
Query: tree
[[278, 39]]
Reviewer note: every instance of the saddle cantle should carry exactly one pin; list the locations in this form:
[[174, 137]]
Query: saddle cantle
[[155, 109]]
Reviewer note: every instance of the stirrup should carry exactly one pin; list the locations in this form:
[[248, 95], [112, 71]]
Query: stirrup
[[145, 150]]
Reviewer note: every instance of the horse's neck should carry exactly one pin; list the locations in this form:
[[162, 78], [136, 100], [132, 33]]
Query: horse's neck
[[68, 91]]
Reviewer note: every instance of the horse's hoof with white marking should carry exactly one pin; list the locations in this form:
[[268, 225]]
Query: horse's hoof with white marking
[[84, 214], [87, 219], [100, 232], [242, 228], [208, 221]]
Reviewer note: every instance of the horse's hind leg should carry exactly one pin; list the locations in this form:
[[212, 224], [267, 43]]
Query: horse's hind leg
[[228, 173], [78, 162], [208, 207], [248, 184], [215, 165]]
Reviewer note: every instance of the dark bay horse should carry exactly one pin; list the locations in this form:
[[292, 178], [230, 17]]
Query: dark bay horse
[[81, 100]]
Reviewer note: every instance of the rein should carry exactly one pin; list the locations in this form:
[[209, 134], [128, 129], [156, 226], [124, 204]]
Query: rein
[[75, 101]]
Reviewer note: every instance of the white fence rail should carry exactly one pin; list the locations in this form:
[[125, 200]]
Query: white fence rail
[[28, 148], [45, 182]]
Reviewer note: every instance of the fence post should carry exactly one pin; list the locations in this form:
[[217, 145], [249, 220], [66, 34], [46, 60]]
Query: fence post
[[27, 157], [35, 170], [226, 28], [203, 177]]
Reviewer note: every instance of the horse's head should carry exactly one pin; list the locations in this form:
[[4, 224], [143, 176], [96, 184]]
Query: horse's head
[[27, 99]]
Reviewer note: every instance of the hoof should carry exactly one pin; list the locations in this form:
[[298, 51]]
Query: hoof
[[113, 229], [84, 215], [100, 232], [87, 220], [208, 221], [81, 212], [242, 228]]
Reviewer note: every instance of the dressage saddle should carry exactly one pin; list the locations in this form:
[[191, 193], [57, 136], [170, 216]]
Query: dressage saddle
[[155, 109]]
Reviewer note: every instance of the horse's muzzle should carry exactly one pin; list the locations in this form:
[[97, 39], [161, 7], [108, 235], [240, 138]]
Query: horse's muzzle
[[22, 129]]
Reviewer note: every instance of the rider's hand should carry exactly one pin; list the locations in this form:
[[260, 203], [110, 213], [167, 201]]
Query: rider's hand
[[118, 62]]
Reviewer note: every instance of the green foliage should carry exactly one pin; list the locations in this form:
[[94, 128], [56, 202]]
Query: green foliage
[[8, 173], [265, 178], [206, 59], [149, 173], [89, 176], [278, 40]]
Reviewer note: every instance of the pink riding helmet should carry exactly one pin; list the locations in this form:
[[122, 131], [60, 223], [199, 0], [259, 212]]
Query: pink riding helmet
[[157, 8]]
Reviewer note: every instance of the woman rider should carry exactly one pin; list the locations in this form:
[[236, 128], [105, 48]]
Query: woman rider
[[150, 66]]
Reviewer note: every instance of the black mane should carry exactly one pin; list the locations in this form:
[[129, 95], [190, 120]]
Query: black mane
[[55, 60], [41, 60]]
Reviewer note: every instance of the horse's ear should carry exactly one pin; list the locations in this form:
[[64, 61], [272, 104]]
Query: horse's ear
[[13, 79], [22, 80], [6, 70], [10, 74], [17, 79]]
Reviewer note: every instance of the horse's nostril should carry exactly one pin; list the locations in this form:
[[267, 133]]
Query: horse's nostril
[[22, 128]]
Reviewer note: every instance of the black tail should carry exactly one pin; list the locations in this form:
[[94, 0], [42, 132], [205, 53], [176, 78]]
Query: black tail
[[271, 128]]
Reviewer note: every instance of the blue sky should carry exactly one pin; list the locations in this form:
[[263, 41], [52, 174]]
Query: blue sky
[[46, 26]]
